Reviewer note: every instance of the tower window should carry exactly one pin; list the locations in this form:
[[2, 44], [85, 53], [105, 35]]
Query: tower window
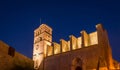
[[40, 38]]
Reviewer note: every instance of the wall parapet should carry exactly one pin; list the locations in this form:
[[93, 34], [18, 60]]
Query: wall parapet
[[85, 40]]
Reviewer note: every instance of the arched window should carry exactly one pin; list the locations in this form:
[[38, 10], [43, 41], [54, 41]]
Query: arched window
[[77, 64]]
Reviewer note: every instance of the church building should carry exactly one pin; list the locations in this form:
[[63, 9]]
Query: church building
[[88, 52]]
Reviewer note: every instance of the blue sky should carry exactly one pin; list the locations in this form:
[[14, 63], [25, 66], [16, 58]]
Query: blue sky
[[19, 18]]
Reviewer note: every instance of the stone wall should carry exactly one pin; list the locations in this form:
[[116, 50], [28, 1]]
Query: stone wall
[[12, 60], [64, 61]]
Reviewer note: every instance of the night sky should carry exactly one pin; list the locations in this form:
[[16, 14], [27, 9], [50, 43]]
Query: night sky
[[19, 19]]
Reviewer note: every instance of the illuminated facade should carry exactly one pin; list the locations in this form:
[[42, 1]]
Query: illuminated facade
[[42, 39], [87, 52]]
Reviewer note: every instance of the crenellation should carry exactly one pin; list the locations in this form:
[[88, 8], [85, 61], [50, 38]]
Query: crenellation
[[93, 38], [56, 48], [85, 38], [73, 42], [79, 42], [64, 45], [49, 50], [68, 44], [100, 34]]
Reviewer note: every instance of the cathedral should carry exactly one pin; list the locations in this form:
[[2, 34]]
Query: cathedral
[[88, 52]]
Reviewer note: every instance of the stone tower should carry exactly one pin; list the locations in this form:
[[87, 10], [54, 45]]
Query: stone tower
[[42, 39]]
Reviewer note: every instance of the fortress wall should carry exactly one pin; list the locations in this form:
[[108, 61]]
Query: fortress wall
[[93, 38], [85, 38], [109, 51], [73, 41], [104, 43], [3, 48], [64, 45], [23, 61], [51, 64], [63, 61], [49, 50], [45, 50], [69, 45], [8, 61], [79, 42], [56, 48]]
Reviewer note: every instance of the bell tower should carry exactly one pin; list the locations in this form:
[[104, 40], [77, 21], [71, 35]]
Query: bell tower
[[42, 39]]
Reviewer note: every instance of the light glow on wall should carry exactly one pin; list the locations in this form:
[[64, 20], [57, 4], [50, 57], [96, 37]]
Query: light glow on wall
[[42, 39], [93, 38], [79, 42]]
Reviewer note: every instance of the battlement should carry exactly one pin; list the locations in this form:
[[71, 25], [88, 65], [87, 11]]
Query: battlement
[[85, 40]]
